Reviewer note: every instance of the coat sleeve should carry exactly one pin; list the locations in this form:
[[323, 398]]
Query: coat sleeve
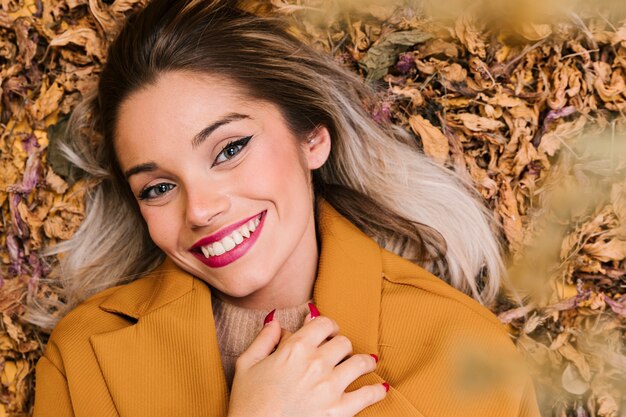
[[52, 396], [529, 406]]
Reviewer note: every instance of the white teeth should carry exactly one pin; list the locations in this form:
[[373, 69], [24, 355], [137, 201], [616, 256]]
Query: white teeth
[[218, 248], [237, 237], [230, 242]]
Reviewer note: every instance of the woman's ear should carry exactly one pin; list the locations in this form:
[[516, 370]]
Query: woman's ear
[[316, 148]]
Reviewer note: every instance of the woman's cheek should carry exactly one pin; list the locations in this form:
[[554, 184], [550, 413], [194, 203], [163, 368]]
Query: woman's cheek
[[160, 224]]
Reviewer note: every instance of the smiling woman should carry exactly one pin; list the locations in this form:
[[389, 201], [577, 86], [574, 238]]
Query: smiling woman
[[229, 170], [234, 203]]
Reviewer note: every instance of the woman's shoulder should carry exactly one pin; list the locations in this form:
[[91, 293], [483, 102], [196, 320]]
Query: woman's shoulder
[[87, 318], [433, 297], [124, 304], [462, 358]]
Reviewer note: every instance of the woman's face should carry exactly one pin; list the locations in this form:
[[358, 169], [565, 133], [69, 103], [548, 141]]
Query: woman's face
[[223, 185]]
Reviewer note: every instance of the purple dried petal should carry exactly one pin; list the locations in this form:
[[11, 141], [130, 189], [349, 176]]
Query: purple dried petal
[[617, 307], [18, 225], [405, 63], [32, 174], [554, 115], [382, 112], [30, 144], [563, 305], [558, 113], [15, 253], [37, 271]]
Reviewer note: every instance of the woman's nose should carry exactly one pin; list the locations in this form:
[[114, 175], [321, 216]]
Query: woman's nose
[[203, 204]]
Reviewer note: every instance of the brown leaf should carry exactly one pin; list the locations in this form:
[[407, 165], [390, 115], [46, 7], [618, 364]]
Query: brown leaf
[[454, 72], [435, 142], [82, 36], [605, 251], [48, 101], [535, 32], [578, 359], [573, 382], [607, 406], [477, 123], [551, 142], [610, 85], [511, 219], [27, 47], [55, 182], [470, 34]]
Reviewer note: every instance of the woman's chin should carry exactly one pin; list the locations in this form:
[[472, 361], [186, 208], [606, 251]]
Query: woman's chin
[[240, 295]]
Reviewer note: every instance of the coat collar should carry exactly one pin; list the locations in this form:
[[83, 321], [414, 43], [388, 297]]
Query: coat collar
[[347, 287], [174, 318]]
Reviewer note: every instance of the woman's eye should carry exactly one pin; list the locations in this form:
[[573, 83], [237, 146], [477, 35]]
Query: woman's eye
[[155, 191], [231, 150]]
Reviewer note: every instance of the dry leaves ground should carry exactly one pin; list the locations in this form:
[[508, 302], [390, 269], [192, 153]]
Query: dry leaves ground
[[526, 98]]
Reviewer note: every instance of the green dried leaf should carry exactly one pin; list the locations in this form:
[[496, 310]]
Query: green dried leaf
[[60, 165], [385, 52]]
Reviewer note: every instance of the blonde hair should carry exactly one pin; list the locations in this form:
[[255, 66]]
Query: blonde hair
[[375, 175]]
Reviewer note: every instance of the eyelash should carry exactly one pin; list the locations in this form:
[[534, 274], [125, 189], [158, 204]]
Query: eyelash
[[144, 194], [240, 142]]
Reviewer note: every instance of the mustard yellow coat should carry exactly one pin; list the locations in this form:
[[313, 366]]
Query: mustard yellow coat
[[149, 348]]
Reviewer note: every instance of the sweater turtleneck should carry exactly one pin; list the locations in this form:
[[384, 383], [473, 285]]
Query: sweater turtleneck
[[237, 327]]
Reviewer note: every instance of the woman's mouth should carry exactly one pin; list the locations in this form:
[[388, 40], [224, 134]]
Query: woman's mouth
[[232, 246]]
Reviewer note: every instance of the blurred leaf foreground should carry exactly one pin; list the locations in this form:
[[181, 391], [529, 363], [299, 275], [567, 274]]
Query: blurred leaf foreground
[[524, 98]]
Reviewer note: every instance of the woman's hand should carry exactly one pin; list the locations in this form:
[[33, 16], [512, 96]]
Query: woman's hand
[[304, 376]]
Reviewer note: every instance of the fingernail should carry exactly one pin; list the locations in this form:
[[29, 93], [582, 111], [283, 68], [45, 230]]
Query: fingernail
[[386, 385], [314, 311], [269, 318], [374, 356]]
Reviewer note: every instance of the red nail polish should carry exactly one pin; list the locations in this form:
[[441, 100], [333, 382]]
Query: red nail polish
[[269, 318], [386, 385], [314, 311], [374, 356]]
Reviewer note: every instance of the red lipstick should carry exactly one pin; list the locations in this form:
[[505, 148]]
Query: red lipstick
[[224, 259]]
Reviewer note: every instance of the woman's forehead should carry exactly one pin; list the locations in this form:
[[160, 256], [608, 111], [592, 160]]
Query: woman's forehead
[[182, 102]]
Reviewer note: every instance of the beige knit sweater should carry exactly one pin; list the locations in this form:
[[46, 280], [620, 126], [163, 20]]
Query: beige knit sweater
[[237, 327]]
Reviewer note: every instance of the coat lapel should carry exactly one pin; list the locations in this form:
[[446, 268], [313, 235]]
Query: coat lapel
[[349, 279], [168, 363], [348, 289]]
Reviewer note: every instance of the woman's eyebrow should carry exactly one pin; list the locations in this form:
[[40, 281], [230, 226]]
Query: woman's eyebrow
[[204, 133], [147, 167], [195, 142]]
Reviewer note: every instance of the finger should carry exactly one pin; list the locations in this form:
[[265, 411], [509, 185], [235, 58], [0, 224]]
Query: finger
[[335, 350], [262, 346], [314, 312], [284, 336], [346, 372], [316, 331], [355, 401]]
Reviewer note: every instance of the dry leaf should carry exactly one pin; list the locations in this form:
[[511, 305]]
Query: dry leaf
[[85, 37], [434, 141], [535, 32], [573, 382], [477, 123]]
